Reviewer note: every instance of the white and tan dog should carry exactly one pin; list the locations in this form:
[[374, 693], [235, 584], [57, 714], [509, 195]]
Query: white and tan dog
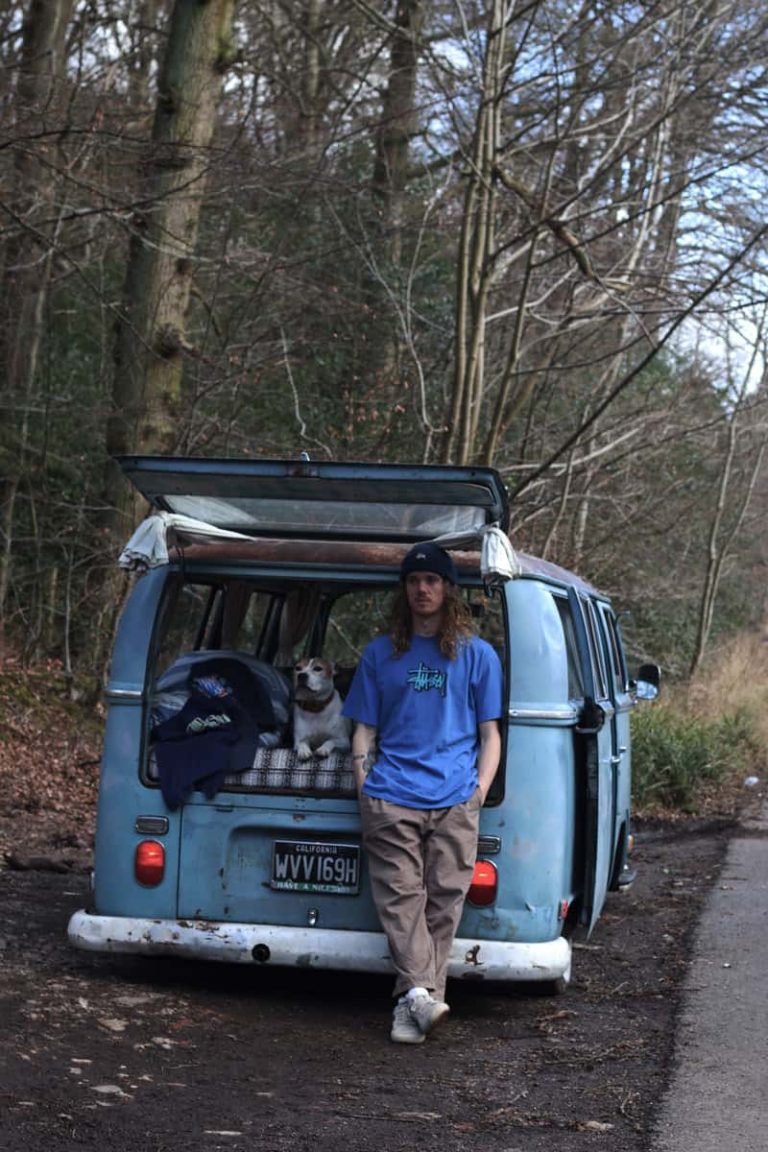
[[318, 725]]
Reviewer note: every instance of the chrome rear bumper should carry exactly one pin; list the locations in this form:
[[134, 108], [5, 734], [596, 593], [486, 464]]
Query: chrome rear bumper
[[310, 947]]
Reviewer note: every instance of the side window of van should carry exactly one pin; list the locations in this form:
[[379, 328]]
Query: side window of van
[[598, 650], [575, 685], [616, 650], [186, 622], [356, 617], [352, 620], [246, 612], [218, 616], [488, 619]]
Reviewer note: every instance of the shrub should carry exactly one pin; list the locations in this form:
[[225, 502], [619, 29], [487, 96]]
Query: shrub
[[676, 753], [704, 734]]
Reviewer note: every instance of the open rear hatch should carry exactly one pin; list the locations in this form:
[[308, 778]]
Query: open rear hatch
[[310, 500]]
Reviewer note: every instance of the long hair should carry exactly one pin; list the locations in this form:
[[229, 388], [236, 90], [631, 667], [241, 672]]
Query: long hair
[[456, 628]]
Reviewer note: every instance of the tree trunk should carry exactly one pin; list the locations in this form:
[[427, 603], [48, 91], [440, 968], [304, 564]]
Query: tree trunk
[[398, 126], [28, 252], [477, 252], [387, 307], [151, 340]]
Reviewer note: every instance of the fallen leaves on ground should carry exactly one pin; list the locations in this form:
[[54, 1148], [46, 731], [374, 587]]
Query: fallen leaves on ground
[[49, 765]]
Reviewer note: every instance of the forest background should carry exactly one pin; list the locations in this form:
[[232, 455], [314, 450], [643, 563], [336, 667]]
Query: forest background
[[530, 235]]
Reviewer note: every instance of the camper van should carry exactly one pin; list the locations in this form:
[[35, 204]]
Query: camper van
[[229, 844]]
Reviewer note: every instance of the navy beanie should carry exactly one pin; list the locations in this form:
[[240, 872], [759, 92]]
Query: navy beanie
[[429, 558]]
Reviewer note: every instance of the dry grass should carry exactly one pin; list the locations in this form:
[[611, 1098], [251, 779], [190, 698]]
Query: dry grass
[[703, 746], [732, 682]]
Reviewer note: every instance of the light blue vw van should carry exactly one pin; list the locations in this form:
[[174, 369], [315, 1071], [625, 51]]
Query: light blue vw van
[[239, 851]]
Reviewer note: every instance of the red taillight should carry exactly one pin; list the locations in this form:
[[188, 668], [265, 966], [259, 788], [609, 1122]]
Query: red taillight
[[482, 890], [149, 863]]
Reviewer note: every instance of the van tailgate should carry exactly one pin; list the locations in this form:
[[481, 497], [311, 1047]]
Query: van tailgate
[[273, 866]]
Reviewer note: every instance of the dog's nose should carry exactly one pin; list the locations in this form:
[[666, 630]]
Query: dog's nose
[[302, 676]]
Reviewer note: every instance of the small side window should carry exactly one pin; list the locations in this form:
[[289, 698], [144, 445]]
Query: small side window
[[232, 615], [575, 683], [188, 619], [355, 618], [488, 619], [351, 621], [616, 649], [598, 652]]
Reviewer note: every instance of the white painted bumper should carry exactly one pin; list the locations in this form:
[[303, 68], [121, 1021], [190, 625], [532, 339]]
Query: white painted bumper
[[309, 947]]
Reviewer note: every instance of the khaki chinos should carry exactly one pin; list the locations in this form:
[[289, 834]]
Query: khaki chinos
[[420, 865]]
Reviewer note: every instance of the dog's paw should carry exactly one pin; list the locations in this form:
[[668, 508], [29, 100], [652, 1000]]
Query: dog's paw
[[303, 751], [331, 746]]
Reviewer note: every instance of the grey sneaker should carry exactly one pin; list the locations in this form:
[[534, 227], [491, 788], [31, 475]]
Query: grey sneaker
[[405, 1030], [426, 1012]]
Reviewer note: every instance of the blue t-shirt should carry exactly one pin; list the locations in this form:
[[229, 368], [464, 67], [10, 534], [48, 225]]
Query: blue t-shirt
[[426, 709]]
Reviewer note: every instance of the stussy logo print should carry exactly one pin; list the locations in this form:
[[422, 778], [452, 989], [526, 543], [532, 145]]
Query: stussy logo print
[[424, 679]]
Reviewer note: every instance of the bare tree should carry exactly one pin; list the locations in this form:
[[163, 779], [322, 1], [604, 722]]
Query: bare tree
[[744, 420], [589, 147], [151, 341], [29, 248]]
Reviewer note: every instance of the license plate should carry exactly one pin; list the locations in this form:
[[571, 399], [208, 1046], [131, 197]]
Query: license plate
[[309, 866]]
